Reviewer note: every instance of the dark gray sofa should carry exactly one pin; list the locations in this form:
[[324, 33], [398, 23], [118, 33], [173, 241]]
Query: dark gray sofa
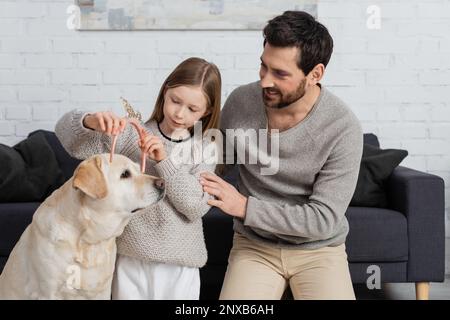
[[406, 241]]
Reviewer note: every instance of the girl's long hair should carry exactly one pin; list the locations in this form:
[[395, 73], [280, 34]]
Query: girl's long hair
[[194, 72]]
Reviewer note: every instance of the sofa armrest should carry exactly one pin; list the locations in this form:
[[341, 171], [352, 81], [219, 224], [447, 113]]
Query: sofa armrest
[[420, 197]]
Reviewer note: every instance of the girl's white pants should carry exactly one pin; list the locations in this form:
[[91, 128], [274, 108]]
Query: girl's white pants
[[139, 280]]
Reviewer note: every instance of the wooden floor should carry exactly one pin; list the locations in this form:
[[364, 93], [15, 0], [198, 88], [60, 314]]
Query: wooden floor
[[402, 291]]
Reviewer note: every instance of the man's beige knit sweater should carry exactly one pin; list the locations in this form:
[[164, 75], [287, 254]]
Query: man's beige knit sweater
[[170, 231]]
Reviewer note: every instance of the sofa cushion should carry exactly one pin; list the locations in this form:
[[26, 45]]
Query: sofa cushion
[[211, 280], [370, 138], [389, 272], [376, 167], [14, 218], [376, 235], [218, 231], [218, 228]]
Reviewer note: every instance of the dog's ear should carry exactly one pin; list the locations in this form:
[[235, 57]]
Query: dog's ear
[[89, 178]]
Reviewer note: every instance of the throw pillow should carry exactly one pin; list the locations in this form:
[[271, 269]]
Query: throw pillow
[[376, 167]]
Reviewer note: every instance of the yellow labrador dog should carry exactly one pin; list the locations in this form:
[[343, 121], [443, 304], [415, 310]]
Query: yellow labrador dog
[[69, 249]]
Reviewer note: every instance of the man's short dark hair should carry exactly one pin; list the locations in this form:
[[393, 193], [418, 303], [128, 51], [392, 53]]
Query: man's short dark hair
[[300, 29]]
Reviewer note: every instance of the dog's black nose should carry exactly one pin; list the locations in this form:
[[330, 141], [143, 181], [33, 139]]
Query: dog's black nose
[[160, 184]]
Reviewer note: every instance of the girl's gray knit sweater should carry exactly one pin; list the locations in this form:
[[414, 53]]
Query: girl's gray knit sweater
[[170, 231]]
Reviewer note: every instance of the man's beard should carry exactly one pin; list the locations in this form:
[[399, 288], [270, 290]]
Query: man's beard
[[283, 100]]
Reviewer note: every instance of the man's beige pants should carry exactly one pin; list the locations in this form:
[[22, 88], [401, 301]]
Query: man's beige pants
[[259, 271]]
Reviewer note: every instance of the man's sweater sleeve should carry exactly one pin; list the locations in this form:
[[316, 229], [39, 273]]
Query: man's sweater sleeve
[[321, 215], [81, 142], [183, 188]]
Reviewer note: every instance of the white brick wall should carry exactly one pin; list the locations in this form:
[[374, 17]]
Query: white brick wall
[[396, 79]]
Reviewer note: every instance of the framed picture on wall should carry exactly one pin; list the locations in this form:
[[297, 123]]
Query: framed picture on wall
[[184, 14]]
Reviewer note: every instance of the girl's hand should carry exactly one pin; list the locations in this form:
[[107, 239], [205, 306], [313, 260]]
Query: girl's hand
[[106, 122], [153, 147]]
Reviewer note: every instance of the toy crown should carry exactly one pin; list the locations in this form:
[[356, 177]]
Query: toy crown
[[131, 113]]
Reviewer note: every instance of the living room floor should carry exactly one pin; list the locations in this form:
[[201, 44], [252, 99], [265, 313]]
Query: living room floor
[[402, 291]]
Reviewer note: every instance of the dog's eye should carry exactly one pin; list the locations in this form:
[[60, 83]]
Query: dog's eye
[[126, 174]]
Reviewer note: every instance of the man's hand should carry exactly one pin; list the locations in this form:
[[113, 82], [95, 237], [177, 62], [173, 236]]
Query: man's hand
[[229, 200]]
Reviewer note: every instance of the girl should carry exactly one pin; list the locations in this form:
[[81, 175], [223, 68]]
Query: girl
[[162, 248]]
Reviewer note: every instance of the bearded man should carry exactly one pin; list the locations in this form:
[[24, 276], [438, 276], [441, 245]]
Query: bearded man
[[290, 227]]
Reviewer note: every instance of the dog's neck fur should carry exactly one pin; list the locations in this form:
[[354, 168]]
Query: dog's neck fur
[[92, 243], [78, 222]]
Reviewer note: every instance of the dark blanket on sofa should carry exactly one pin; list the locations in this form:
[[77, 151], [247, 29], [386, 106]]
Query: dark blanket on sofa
[[29, 171]]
